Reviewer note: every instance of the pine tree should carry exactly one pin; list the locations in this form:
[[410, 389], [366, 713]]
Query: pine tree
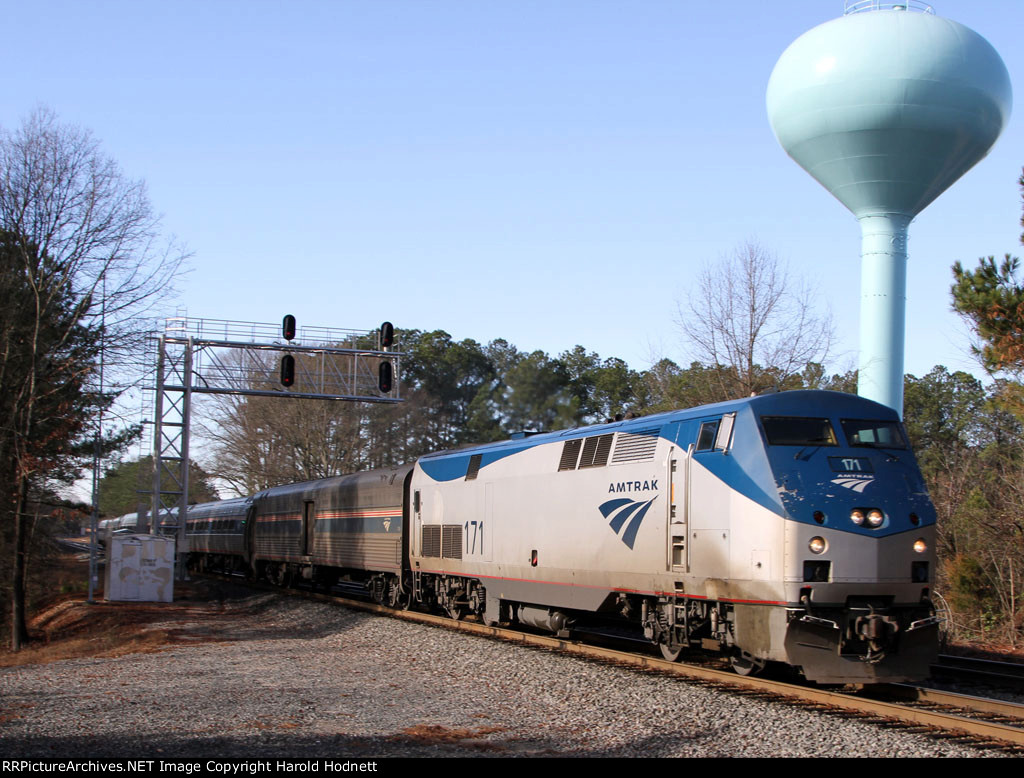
[[46, 359], [80, 261], [991, 298]]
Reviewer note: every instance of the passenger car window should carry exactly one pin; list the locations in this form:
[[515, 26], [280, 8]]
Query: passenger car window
[[798, 431]]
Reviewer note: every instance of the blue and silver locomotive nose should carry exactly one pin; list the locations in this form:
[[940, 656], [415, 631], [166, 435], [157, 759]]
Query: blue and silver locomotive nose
[[860, 532]]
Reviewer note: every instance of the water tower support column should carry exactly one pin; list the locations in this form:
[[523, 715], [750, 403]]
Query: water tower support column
[[883, 305]]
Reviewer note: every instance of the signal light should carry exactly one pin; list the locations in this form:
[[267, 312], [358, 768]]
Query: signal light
[[385, 376], [387, 336], [287, 370], [288, 327]]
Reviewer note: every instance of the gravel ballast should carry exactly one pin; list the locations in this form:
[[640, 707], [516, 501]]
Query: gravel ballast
[[283, 677]]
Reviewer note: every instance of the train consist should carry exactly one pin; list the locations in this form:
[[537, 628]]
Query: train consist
[[792, 527], [124, 524]]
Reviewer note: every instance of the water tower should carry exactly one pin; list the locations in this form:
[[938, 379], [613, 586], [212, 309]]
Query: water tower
[[886, 107]]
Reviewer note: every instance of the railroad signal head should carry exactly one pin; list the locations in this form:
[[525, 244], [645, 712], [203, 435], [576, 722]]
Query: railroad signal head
[[288, 327], [385, 376], [387, 336], [287, 370]]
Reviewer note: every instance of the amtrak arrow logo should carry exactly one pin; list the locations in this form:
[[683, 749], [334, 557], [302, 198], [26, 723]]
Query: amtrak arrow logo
[[857, 484], [620, 511]]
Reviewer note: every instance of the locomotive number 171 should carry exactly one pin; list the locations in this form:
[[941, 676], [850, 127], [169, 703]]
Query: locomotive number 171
[[474, 535]]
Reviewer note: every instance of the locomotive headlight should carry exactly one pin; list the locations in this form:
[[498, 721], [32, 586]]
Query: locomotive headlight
[[875, 518], [817, 545], [920, 546], [857, 516]]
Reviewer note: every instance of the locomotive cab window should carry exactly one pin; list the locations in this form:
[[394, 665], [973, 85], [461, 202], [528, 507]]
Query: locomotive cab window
[[708, 433], [873, 434], [798, 431], [716, 435]]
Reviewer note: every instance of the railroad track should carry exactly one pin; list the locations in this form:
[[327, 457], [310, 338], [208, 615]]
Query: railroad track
[[1002, 675], [75, 545], [979, 721]]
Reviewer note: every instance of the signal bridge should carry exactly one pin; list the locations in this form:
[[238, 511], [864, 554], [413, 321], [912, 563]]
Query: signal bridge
[[213, 356]]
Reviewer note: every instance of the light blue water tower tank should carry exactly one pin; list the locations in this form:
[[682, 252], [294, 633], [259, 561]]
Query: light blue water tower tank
[[886, 107]]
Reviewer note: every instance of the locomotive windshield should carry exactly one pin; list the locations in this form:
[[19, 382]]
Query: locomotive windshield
[[798, 431], [873, 434]]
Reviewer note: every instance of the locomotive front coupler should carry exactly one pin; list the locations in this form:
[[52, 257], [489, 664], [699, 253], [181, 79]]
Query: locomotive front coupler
[[875, 629], [870, 635]]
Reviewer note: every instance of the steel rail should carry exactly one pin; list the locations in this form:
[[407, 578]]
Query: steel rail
[[926, 696], [999, 674]]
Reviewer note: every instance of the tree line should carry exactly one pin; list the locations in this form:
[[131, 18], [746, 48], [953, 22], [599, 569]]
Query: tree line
[[81, 262], [968, 438], [457, 392]]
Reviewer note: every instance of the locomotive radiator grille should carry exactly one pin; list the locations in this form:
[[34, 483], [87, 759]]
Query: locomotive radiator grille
[[596, 450], [635, 446], [570, 454], [451, 541], [442, 541], [430, 542]]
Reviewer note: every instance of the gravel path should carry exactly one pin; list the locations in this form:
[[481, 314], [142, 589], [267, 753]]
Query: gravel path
[[281, 677]]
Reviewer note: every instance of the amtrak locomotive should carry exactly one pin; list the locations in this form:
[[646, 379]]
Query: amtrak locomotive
[[792, 527]]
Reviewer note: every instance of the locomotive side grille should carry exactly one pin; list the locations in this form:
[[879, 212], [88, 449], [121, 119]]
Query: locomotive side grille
[[430, 543], [570, 454], [596, 450], [474, 467], [451, 541], [635, 446]]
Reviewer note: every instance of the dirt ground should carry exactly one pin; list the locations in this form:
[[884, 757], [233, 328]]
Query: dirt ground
[[66, 626]]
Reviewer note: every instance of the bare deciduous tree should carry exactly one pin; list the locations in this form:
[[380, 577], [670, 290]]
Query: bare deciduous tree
[[82, 261], [750, 321], [260, 442]]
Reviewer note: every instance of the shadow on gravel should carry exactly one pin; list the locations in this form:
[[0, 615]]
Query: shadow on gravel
[[419, 741]]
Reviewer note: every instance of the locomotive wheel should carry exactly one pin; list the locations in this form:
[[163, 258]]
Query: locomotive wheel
[[456, 612], [671, 653], [745, 664]]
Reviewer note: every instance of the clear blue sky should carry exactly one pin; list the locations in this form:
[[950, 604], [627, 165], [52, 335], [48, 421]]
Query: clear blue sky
[[552, 172]]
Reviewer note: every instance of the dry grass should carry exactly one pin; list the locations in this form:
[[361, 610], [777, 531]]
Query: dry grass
[[435, 734], [994, 651], [63, 625]]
